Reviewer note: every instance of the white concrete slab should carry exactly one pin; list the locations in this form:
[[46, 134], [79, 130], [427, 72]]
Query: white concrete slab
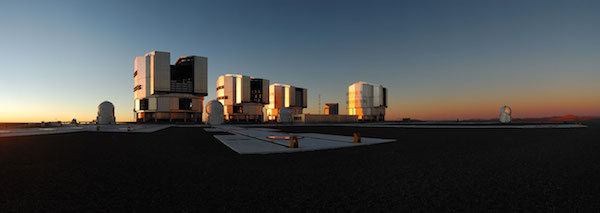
[[137, 128], [251, 141], [214, 129], [246, 145]]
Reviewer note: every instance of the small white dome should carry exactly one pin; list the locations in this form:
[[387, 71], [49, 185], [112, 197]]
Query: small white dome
[[106, 113], [285, 115], [505, 114], [214, 107], [214, 112]]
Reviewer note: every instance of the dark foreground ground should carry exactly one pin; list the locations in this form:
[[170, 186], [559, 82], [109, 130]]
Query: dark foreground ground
[[186, 169]]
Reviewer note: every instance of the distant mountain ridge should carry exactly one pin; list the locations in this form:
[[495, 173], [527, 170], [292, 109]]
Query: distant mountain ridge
[[573, 118], [561, 118], [553, 119]]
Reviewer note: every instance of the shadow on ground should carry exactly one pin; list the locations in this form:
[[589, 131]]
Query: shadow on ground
[[186, 169]]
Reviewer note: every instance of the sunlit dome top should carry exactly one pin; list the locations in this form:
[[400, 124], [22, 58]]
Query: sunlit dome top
[[106, 106], [106, 113], [214, 107], [506, 109]]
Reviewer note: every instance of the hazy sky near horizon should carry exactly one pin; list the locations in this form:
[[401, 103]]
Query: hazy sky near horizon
[[438, 59]]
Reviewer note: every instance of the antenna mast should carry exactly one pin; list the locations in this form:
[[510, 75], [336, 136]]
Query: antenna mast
[[319, 104]]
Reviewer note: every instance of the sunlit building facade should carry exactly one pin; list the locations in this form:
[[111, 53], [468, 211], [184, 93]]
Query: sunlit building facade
[[243, 97], [285, 96], [165, 92], [331, 109], [367, 101]]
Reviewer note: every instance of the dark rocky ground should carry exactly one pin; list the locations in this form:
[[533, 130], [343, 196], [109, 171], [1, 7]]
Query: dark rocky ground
[[185, 169]]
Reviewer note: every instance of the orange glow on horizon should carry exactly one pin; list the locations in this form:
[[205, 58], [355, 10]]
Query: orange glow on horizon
[[436, 107]]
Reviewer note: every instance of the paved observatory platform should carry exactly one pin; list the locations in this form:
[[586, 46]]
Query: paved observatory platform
[[257, 141], [257, 132], [70, 128]]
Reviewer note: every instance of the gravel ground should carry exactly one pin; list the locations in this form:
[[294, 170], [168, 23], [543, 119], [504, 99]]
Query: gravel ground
[[186, 169]]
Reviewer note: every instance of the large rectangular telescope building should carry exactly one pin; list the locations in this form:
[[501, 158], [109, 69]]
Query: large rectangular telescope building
[[285, 96], [367, 100], [168, 92], [243, 97]]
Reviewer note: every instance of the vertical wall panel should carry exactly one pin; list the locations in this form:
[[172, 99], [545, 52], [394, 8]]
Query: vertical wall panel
[[200, 75], [161, 71]]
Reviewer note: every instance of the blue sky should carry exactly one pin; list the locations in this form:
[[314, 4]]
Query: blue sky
[[439, 59]]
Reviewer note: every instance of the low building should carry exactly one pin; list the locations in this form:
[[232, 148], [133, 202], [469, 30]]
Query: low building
[[368, 101], [168, 92], [285, 96], [331, 109], [243, 97], [312, 118]]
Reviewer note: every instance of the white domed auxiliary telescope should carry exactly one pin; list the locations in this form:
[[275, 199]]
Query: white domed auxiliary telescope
[[214, 113], [285, 115], [505, 114], [106, 113]]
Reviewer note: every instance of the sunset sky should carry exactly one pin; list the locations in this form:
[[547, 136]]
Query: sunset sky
[[438, 59]]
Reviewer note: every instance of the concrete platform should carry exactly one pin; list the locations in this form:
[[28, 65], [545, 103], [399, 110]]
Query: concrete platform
[[256, 141], [431, 125], [69, 128]]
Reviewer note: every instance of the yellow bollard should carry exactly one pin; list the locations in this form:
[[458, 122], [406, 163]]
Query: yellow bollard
[[356, 138], [294, 142]]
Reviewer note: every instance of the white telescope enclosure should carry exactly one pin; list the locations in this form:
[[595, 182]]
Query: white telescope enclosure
[[367, 100], [169, 92], [283, 96], [243, 97]]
